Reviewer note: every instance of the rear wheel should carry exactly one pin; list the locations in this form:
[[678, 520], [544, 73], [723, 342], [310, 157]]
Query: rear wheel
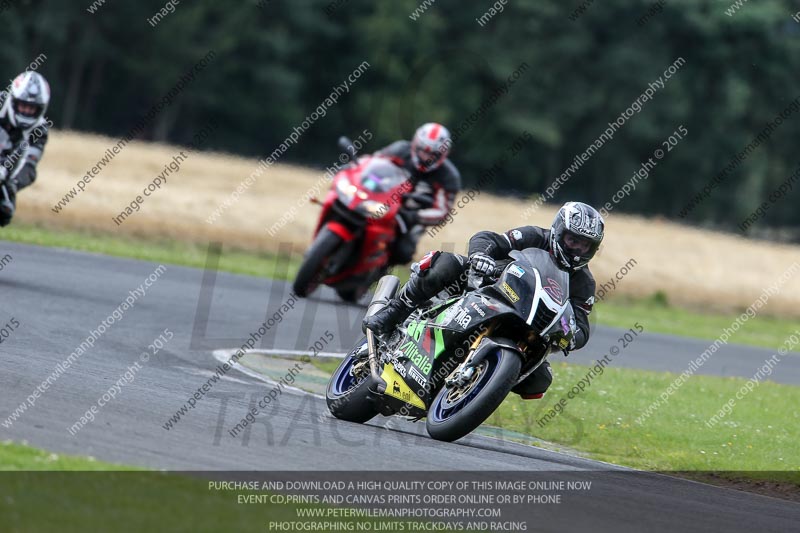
[[348, 389], [456, 411], [312, 271]]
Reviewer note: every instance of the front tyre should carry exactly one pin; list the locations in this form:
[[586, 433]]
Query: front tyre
[[455, 412], [313, 268], [348, 389]]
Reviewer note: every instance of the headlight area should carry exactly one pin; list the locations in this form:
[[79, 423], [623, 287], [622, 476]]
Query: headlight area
[[346, 191]]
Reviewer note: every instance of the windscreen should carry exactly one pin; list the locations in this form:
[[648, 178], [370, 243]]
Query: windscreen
[[380, 175]]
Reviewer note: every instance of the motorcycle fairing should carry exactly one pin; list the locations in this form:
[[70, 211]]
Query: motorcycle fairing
[[399, 389], [529, 286]]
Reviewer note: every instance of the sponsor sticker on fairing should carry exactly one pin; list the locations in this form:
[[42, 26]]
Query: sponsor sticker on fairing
[[478, 309], [399, 368], [463, 318], [512, 295], [417, 376], [516, 271]]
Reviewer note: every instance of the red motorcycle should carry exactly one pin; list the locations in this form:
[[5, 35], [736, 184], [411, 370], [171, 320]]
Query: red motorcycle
[[358, 223]]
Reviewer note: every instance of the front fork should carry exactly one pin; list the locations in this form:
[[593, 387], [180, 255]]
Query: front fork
[[464, 372]]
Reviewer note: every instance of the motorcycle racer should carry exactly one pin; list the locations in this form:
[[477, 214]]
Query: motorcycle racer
[[23, 135], [572, 241], [425, 157]]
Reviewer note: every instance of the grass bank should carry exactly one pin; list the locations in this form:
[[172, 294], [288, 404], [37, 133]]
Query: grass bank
[[753, 447]]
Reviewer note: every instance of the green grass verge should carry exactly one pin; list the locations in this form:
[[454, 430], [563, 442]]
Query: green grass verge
[[756, 441], [661, 318], [763, 331], [161, 251], [16, 457], [760, 433]]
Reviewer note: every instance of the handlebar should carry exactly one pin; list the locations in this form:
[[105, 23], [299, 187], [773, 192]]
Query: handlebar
[[476, 280]]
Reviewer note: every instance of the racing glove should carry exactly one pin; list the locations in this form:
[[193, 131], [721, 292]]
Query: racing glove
[[482, 263], [570, 330]]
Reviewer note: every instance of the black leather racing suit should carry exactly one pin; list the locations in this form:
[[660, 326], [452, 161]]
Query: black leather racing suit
[[440, 270], [21, 151], [441, 184]]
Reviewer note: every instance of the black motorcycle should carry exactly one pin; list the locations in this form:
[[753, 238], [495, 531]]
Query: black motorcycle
[[455, 359]]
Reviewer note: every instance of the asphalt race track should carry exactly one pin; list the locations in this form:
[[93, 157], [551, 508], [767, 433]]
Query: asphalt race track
[[59, 296]]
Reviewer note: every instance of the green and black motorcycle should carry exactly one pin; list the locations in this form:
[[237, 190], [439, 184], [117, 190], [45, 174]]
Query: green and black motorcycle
[[455, 359]]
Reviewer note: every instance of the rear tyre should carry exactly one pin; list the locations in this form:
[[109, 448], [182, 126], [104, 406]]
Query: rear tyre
[[347, 395], [312, 270], [456, 412]]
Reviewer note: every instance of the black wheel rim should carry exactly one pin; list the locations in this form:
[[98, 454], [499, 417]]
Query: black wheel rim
[[443, 408], [345, 380]]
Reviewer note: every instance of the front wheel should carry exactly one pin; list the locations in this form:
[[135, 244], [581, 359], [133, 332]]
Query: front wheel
[[457, 411], [313, 268], [348, 389]]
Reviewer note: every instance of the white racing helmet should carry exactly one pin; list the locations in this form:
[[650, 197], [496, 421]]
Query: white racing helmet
[[430, 146], [27, 100]]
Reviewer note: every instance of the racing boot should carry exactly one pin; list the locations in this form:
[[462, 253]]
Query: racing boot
[[397, 309], [534, 386]]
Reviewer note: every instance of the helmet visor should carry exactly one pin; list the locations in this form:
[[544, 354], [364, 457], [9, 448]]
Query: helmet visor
[[27, 109], [576, 244], [426, 158]]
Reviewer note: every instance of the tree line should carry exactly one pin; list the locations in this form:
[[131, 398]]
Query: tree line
[[585, 65]]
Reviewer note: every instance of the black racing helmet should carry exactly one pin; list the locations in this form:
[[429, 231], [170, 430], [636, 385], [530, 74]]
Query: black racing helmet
[[575, 235]]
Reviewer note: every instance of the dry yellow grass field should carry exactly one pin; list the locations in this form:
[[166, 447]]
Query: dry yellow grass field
[[696, 268]]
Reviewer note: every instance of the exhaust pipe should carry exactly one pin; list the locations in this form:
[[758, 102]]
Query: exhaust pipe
[[386, 289]]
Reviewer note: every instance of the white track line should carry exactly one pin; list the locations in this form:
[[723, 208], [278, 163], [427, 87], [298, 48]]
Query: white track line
[[278, 351], [224, 355]]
